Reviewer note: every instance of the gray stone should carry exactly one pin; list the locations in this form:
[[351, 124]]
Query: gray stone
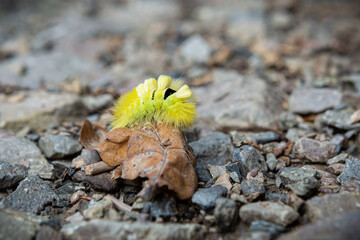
[[313, 100], [274, 212], [318, 208], [336, 168], [256, 236], [264, 137], [32, 195], [343, 226], [206, 197], [216, 171], [339, 119], [15, 225], [287, 120], [41, 110], [271, 161], [11, 174], [162, 206], [226, 213], [14, 149], [351, 173], [214, 149], [234, 171], [219, 106], [252, 189], [338, 159], [249, 158], [100, 182], [86, 157], [47, 232], [103, 229], [313, 150], [273, 229], [196, 49], [303, 182], [66, 191], [293, 134], [97, 103], [59, 146], [98, 209]]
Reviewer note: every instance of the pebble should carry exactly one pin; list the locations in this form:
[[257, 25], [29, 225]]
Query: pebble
[[351, 173], [273, 229], [86, 157], [59, 146], [137, 230], [274, 212], [196, 49], [226, 213], [264, 137], [205, 198], [271, 161], [329, 205], [214, 149], [338, 159], [343, 226], [313, 100], [97, 103], [336, 168], [303, 182], [249, 158], [252, 189], [313, 150], [224, 180], [32, 195], [16, 149], [99, 182], [339, 119], [98, 210], [216, 170], [11, 174], [162, 206], [234, 170]]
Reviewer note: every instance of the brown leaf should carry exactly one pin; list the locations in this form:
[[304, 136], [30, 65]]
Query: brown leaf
[[158, 153], [91, 135]]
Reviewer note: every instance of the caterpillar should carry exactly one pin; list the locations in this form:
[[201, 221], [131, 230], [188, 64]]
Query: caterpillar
[[156, 101]]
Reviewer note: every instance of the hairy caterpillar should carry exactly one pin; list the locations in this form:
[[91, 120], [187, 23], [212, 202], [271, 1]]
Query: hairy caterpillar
[[162, 101]]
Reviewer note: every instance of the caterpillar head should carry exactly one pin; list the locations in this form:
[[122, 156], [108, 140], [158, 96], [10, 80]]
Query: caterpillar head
[[162, 101]]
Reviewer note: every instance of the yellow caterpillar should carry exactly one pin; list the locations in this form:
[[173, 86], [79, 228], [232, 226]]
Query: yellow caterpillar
[[161, 101]]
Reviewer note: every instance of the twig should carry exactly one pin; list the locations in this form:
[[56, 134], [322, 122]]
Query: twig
[[119, 204], [98, 167]]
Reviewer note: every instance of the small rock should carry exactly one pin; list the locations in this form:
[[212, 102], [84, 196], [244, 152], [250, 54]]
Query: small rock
[[226, 213], [338, 159], [252, 189], [86, 157], [274, 212], [59, 146], [256, 236], [97, 103], [336, 168], [216, 170], [287, 120], [47, 232], [301, 181], [205, 198], [98, 210], [11, 174], [99, 182], [264, 137], [318, 208], [313, 150], [339, 119], [75, 218], [196, 49], [66, 191], [14, 149], [294, 134], [271, 161], [32, 195], [224, 180], [75, 197], [343, 226], [137, 230], [162, 206], [264, 226], [351, 173], [313, 100], [97, 197], [235, 174], [249, 158], [214, 149], [238, 138]]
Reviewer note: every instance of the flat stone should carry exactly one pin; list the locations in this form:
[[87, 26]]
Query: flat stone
[[271, 161], [336, 168], [313, 150], [219, 106], [252, 189], [196, 49], [59, 146], [274, 212], [15, 225], [339, 119], [100, 182], [14, 149], [234, 171], [329, 205], [216, 170], [214, 149], [105, 229], [226, 213], [351, 173], [249, 158], [224, 180], [162, 206], [263, 137], [303, 182], [41, 110], [273, 229], [97, 103], [97, 210], [206, 197], [32, 195], [338, 159], [313, 100], [86, 157], [11, 174], [343, 226]]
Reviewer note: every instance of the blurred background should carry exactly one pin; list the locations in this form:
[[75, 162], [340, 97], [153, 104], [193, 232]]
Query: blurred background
[[249, 61]]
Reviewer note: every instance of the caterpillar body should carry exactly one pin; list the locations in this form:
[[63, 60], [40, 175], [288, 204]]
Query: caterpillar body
[[156, 101]]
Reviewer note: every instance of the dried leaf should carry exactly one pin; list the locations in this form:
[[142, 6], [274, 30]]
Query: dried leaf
[[91, 135], [156, 152]]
